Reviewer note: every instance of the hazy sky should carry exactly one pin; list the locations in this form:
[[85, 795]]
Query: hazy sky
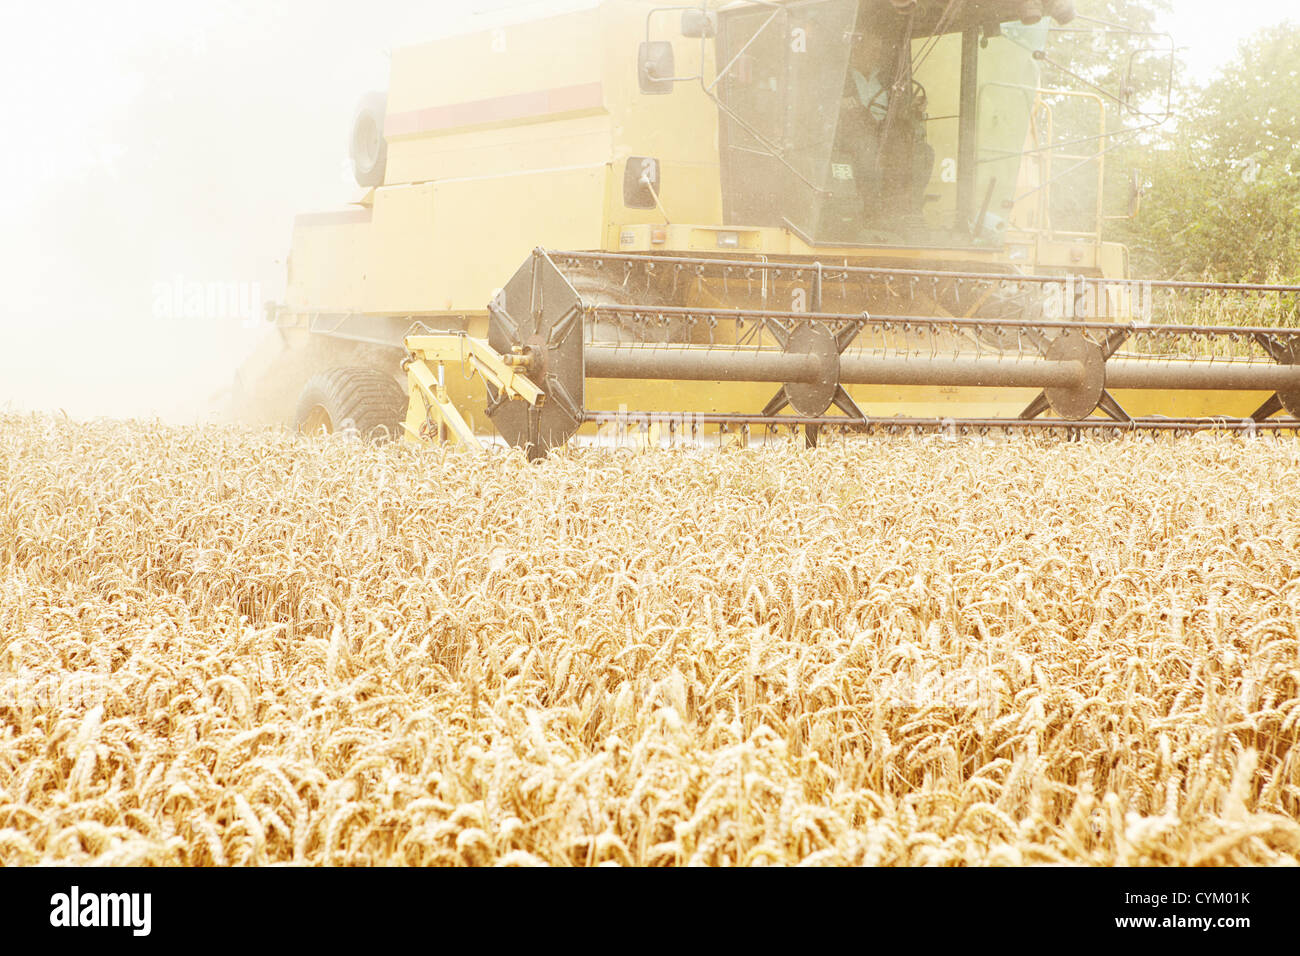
[[1209, 31], [154, 142]]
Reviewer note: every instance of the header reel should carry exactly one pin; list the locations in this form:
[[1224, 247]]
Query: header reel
[[1113, 336]]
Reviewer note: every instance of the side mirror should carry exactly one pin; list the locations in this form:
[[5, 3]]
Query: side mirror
[[699, 24], [641, 182], [656, 67]]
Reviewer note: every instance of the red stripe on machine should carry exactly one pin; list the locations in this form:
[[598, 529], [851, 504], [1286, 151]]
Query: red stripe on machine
[[498, 109]]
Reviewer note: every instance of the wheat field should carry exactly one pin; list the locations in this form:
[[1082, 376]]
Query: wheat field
[[227, 647]]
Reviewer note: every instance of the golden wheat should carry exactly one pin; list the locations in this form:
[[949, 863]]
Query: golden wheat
[[222, 646]]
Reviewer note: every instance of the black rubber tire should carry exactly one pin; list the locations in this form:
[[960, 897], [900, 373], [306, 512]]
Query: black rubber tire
[[364, 402], [368, 148]]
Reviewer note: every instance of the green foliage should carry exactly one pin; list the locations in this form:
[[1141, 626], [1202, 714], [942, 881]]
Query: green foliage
[[1102, 56], [1224, 189]]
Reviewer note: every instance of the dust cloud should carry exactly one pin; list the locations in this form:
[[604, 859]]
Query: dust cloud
[[156, 155]]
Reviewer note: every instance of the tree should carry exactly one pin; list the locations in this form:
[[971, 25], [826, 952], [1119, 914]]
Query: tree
[[1224, 184]]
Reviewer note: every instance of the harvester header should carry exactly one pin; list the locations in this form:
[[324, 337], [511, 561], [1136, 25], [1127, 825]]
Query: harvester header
[[818, 361]]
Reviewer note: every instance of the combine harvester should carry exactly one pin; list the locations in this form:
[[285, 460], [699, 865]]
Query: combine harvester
[[788, 216]]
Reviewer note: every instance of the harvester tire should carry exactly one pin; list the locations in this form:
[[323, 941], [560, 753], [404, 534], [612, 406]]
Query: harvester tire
[[362, 402], [369, 148]]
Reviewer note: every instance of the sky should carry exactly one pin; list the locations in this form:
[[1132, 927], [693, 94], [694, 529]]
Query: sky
[[153, 146], [1209, 31]]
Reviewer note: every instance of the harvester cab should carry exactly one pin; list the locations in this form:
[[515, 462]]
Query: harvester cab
[[786, 216], [832, 121]]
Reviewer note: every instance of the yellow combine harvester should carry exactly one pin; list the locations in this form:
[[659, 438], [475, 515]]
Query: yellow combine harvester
[[781, 215]]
